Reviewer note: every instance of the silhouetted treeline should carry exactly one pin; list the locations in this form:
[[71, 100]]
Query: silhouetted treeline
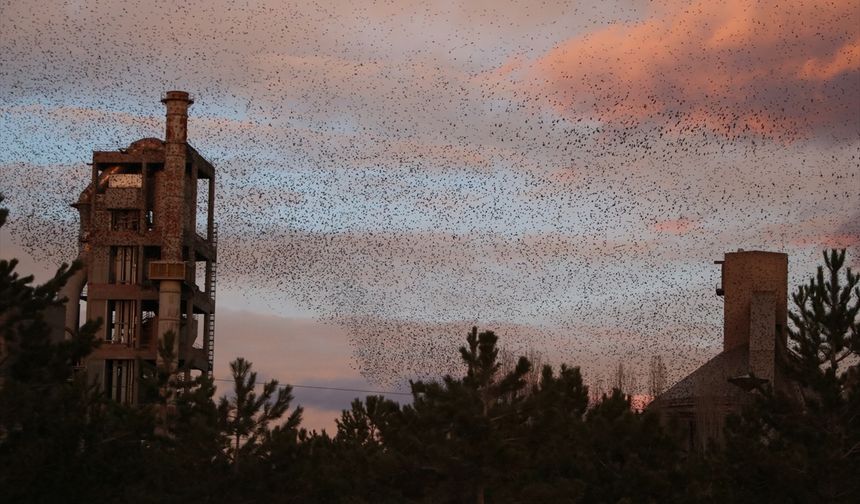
[[486, 435]]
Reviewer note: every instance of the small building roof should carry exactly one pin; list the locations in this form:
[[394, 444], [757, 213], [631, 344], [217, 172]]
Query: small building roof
[[711, 379]]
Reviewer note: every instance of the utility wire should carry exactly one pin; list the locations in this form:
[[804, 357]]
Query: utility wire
[[317, 387]]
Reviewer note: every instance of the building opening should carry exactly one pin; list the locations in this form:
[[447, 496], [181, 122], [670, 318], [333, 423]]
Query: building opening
[[125, 260], [119, 380], [121, 322]]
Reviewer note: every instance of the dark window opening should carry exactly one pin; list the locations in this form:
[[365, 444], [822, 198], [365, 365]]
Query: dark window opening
[[201, 217], [119, 380], [125, 261], [148, 327], [125, 220], [121, 327]]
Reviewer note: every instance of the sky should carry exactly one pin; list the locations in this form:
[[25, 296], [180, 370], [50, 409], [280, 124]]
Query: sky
[[391, 173]]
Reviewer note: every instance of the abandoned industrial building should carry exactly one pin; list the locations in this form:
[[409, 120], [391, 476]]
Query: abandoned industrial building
[[148, 246], [754, 287]]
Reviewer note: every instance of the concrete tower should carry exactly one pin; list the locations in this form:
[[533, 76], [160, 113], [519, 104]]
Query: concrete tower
[[745, 273], [149, 256]]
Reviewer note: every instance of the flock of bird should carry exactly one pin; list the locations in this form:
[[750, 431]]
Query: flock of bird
[[393, 183]]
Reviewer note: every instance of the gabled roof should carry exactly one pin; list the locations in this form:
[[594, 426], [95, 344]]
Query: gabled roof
[[711, 380]]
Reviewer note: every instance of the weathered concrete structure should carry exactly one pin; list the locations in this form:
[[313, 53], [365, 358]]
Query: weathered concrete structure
[[755, 291], [149, 265]]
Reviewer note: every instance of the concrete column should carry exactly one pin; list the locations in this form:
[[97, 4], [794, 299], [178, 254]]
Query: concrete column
[[210, 212], [72, 292], [763, 335], [73, 288], [169, 314], [169, 305]]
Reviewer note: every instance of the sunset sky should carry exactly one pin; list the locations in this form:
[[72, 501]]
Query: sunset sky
[[391, 173]]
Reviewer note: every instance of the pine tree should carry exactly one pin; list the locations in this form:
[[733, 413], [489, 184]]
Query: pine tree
[[826, 331], [554, 463], [56, 430], [630, 458], [375, 461], [365, 422], [26, 351], [245, 416], [471, 424]]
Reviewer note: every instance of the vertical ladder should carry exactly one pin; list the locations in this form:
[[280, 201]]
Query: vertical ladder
[[213, 281]]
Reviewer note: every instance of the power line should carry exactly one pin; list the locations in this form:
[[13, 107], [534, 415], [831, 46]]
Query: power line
[[317, 387]]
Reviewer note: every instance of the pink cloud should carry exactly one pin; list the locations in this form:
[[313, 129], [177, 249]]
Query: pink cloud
[[779, 69], [828, 241], [674, 226]]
